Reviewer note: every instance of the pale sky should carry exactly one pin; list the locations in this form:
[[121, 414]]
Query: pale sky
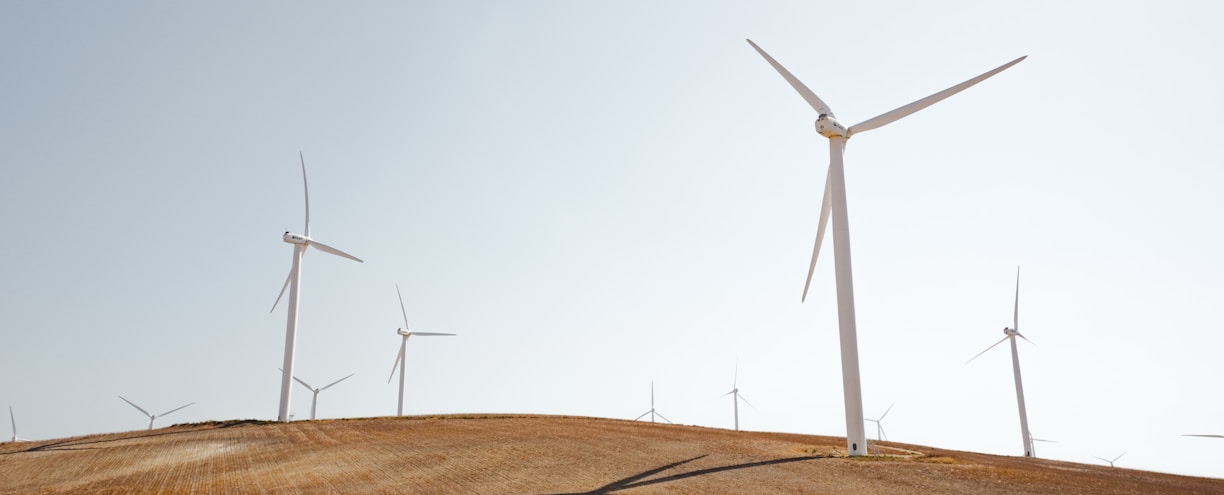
[[597, 195]]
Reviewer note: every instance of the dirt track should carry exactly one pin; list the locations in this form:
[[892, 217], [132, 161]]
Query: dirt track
[[529, 455]]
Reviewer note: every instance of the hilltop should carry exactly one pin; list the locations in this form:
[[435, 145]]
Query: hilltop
[[507, 454]]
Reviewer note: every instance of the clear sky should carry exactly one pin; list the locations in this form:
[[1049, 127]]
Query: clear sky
[[597, 195]]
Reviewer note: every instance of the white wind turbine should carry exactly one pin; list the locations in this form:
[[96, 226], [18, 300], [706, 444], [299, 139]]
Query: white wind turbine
[[652, 411], [734, 392], [294, 283], [314, 402], [1011, 334], [400, 358], [1111, 461], [13, 420], [835, 203], [152, 416], [880, 425]]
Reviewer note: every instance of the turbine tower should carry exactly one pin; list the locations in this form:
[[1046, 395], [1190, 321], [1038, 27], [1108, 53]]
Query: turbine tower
[[1011, 334], [314, 402], [835, 203], [400, 358], [13, 421], [652, 411], [152, 416], [294, 283], [734, 392]]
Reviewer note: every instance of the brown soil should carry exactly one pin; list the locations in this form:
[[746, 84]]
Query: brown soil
[[501, 454]]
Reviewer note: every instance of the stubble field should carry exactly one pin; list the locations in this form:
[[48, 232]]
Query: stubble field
[[503, 454]]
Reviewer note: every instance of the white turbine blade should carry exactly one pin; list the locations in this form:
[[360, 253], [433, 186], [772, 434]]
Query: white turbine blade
[[735, 379], [402, 310], [984, 352], [172, 410], [807, 94], [1102, 458], [146, 413], [430, 334], [1016, 313], [741, 397], [1115, 459], [398, 358], [335, 382], [893, 115], [643, 415], [825, 205], [728, 393], [1018, 334], [328, 249], [307, 190], [887, 410], [13, 420], [282, 292], [304, 384], [663, 417], [1204, 436]]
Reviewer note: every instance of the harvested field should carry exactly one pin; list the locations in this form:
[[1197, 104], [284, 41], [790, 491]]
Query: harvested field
[[502, 454]]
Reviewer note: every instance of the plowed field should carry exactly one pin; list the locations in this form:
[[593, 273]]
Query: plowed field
[[529, 455]]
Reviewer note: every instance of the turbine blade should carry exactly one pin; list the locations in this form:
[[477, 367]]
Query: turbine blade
[[282, 292], [13, 420], [430, 334], [825, 205], [328, 249], [304, 384], [146, 413], [1204, 436], [807, 94], [642, 416], [398, 357], [307, 190], [984, 352], [1115, 459], [1016, 313], [1102, 458], [728, 393], [741, 397], [335, 382], [893, 115], [402, 310], [172, 410], [1018, 334], [887, 410], [735, 379], [664, 418]]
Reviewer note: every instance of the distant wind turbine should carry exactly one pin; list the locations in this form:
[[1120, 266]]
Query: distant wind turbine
[[880, 425], [293, 283], [400, 358], [315, 401], [13, 420], [835, 203], [1011, 334], [152, 416], [734, 392], [1111, 461], [652, 411]]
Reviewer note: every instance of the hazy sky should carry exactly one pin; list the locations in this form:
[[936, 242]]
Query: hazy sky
[[597, 195]]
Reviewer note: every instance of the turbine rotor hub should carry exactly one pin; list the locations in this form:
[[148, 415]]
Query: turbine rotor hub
[[829, 127], [1010, 331]]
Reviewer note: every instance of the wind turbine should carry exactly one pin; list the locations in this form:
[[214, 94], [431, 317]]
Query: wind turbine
[[1011, 334], [315, 401], [835, 203], [399, 359], [13, 420], [294, 283], [880, 425], [734, 392], [652, 411], [152, 416], [1111, 461]]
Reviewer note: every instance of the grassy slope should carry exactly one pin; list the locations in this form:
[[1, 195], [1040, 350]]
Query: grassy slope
[[531, 455]]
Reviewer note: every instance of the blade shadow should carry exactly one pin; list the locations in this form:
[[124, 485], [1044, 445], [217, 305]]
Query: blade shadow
[[638, 480]]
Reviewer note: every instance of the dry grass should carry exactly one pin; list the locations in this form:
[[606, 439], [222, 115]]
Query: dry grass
[[501, 454]]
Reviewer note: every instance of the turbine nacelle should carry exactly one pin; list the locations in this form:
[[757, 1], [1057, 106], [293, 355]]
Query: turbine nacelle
[[292, 238], [403, 332], [1010, 331], [829, 127]]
